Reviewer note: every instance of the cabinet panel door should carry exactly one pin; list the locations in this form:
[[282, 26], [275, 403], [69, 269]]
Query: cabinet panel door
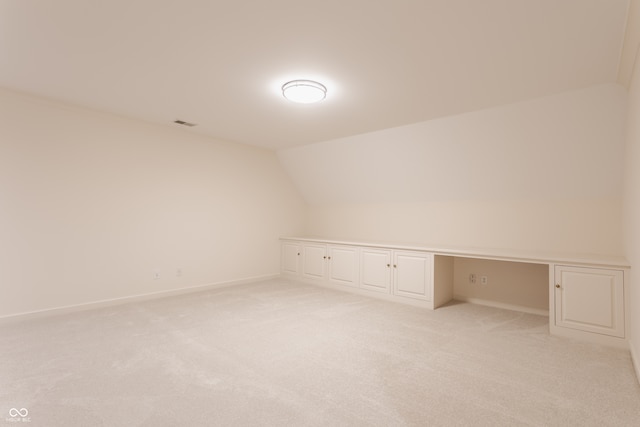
[[590, 299], [290, 258], [314, 259], [343, 265], [412, 275], [375, 270]]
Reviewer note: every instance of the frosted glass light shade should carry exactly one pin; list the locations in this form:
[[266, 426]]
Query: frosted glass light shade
[[304, 91]]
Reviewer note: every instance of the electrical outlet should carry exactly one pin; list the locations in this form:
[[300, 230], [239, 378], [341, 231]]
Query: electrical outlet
[[484, 280], [178, 272], [156, 275], [472, 278]]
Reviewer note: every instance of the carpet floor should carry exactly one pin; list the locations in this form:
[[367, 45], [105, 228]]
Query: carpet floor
[[282, 353]]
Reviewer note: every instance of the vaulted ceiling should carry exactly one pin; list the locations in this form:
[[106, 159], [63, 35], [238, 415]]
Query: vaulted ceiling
[[386, 63]]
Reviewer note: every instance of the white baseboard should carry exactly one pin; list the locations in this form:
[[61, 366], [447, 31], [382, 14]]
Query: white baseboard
[[54, 311], [495, 304], [635, 358], [591, 337]]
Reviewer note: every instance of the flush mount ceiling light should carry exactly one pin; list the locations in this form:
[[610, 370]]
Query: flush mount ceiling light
[[304, 91]]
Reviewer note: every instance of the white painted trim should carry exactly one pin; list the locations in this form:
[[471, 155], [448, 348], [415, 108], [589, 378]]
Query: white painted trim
[[495, 304], [635, 358], [47, 312], [592, 337]]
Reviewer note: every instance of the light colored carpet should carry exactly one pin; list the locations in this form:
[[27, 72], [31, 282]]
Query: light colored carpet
[[281, 353]]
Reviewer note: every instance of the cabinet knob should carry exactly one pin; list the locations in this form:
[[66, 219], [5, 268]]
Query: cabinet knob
[[324, 257], [388, 265], [395, 266], [558, 285], [298, 253], [328, 257]]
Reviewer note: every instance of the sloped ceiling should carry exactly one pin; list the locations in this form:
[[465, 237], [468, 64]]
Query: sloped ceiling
[[386, 63], [566, 146]]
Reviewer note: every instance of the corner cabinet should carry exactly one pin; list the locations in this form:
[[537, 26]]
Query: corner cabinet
[[590, 300], [290, 258]]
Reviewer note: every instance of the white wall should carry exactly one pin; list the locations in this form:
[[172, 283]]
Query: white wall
[[91, 205], [632, 210], [544, 174], [514, 285]]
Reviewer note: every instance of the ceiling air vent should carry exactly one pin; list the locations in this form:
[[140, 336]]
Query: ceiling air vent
[[183, 123]]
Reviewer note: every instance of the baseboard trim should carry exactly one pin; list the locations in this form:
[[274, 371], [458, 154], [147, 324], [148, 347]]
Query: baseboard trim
[[495, 304], [591, 337], [55, 311], [635, 358]]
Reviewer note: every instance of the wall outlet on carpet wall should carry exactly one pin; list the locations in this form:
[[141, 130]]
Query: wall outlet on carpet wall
[[178, 272], [156, 275], [472, 278], [484, 280]]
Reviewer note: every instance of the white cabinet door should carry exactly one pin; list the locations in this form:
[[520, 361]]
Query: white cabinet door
[[290, 258], [590, 299], [412, 274], [343, 265], [314, 259], [375, 270]]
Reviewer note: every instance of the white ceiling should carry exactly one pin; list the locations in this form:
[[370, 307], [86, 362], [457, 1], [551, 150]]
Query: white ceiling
[[385, 63]]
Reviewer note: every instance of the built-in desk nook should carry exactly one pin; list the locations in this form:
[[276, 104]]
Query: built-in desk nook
[[583, 295]]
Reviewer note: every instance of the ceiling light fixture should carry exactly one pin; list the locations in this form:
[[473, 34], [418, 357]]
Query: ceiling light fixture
[[304, 91]]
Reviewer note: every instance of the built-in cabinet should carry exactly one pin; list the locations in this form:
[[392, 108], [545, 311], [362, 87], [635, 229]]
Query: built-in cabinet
[[402, 273], [336, 264], [585, 300], [290, 258], [399, 274], [589, 299], [314, 261], [413, 274], [375, 267], [343, 265]]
